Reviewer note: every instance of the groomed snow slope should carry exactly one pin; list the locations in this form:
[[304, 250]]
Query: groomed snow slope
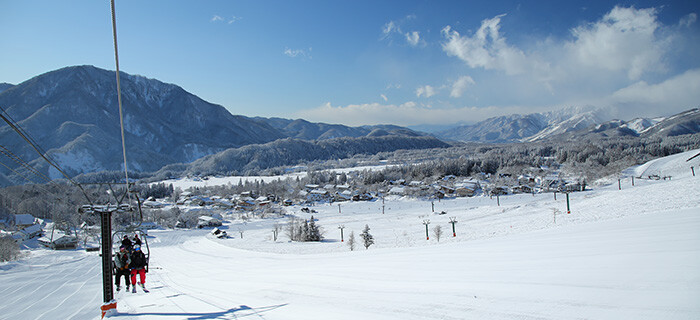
[[621, 254]]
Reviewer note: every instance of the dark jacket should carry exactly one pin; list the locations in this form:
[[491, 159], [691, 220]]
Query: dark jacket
[[138, 260], [127, 243]]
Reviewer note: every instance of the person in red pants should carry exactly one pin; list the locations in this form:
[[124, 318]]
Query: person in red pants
[[138, 265]]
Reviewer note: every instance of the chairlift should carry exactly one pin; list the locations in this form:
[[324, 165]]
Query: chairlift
[[134, 228]]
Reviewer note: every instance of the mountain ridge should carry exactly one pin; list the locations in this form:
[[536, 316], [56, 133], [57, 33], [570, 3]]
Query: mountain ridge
[[72, 113]]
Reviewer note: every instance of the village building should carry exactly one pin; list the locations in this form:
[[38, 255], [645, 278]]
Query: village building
[[207, 221], [399, 191], [318, 195], [24, 220]]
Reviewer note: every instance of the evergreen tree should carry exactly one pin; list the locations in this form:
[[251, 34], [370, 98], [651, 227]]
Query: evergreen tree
[[367, 238], [314, 231]]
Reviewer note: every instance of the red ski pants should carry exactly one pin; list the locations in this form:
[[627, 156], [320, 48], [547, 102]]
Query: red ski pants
[[141, 273]]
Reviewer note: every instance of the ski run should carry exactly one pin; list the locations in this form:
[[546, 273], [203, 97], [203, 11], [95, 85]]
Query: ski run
[[632, 253]]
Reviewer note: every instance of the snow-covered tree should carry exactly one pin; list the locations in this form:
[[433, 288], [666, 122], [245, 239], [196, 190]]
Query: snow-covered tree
[[9, 249], [314, 233], [367, 238]]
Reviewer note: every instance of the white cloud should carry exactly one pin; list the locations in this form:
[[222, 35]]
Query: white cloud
[[673, 95], [218, 18], [393, 27], [388, 28], [459, 86], [298, 53], [413, 38], [384, 97], [486, 48], [625, 39], [688, 20], [426, 91]]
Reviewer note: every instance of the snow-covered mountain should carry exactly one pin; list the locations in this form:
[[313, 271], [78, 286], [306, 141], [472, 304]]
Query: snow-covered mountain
[[72, 113], [571, 123], [530, 127], [687, 122]]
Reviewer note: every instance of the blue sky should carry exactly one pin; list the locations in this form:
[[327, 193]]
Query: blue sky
[[371, 62]]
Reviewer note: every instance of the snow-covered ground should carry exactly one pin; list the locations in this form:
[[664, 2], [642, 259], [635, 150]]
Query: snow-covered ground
[[186, 183], [621, 254]]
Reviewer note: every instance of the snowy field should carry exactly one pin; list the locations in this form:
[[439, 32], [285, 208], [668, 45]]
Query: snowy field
[[187, 183], [621, 254]]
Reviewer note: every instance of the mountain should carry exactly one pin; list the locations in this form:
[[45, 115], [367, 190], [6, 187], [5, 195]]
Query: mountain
[[72, 113], [530, 127], [687, 122], [302, 129], [290, 151], [4, 86]]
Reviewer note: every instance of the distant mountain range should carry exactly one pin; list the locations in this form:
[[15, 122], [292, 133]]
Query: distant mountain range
[[570, 123], [72, 114]]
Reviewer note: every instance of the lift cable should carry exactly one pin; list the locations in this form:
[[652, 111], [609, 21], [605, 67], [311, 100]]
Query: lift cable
[[36, 148], [22, 163], [119, 96]]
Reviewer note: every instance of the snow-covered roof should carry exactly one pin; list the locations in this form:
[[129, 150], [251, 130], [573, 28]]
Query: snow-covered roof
[[319, 191], [24, 219], [397, 190]]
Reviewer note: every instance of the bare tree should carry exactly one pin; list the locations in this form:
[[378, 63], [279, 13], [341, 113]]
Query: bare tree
[[276, 231], [9, 249], [351, 241], [437, 231]]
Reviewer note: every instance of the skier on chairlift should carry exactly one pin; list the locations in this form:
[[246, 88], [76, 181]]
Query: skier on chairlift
[[121, 264], [137, 241], [127, 243], [138, 265]]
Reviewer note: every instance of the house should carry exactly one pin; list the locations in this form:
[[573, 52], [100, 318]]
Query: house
[[24, 220], [148, 225], [318, 195], [207, 221], [465, 192], [449, 177], [152, 203], [522, 189], [287, 202], [343, 196], [310, 187], [447, 190], [59, 240], [397, 191], [30, 232]]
